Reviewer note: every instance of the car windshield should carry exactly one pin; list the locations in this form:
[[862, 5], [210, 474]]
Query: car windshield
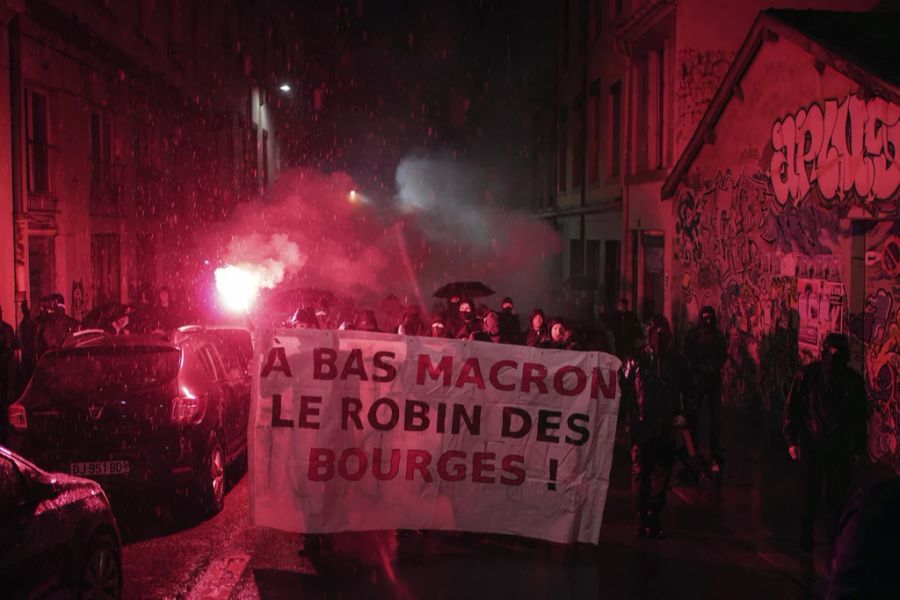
[[133, 368]]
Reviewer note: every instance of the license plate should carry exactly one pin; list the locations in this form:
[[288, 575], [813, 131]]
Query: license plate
[[90, 469]]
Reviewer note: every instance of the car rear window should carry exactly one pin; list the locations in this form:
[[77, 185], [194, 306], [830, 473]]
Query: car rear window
[[106, 368]]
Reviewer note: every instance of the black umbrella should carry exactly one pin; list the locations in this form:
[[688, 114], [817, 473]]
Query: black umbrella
[[463, 289]]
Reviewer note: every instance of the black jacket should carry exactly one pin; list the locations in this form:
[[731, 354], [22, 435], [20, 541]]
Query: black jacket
[[707, 351], [816, 411], [654, 393]]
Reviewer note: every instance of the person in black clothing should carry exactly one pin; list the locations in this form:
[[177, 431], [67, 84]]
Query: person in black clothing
[[510, 327], [537, 328], [867, 547], [824, 426], [8, 364], [626, 329], [468, 324], [707, 350], [657, 391]]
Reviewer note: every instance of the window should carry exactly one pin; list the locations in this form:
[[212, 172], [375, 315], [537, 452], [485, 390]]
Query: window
[[654, 273], [578, 142], [649, 132], [615, 127], [597, 21], [41, 266], [565, 38], [562, 149], [104, 192], [37, 147], [611, 272], [105, 268], [593, 133], [576, 257]]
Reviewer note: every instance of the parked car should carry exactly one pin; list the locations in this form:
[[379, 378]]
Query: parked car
[[140, 414], [58, 535]]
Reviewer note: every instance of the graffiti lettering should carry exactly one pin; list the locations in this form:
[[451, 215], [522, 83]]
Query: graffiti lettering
[[847, 147]]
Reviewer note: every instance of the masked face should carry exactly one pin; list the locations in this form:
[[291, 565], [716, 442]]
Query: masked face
[[466, 311], [658, 337], [507, 308], [708, 319], [835, 354]]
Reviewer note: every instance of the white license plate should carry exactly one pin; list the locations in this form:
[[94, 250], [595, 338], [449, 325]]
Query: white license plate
[[90, 469]]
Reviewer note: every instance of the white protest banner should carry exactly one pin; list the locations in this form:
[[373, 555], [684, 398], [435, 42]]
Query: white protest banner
[[354, 431]]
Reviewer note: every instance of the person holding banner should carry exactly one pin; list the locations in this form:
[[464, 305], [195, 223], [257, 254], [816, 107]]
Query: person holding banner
[[657, 388]]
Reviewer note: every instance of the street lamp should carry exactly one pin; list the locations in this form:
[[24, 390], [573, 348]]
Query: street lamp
[[284, 87]]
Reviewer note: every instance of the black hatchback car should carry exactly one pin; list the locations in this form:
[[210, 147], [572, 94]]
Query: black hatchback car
[[138, 414], [58, 535]]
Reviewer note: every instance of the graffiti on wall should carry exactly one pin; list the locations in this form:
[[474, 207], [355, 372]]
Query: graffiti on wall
[[766, 251], [878, 328], [700, 73], [847, 150], [740, 253]]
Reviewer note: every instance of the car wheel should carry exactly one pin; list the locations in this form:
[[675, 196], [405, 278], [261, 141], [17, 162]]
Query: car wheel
[[212, 479], [100, 576]]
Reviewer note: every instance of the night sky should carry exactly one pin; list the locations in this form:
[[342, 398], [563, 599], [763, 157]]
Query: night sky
[[458, 80]]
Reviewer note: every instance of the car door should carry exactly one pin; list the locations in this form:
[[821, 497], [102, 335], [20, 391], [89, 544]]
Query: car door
[[237, 378], [231, 412], [32, 541]]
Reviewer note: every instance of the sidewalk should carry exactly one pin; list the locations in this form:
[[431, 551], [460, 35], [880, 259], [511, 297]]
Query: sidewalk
[[758, 500]]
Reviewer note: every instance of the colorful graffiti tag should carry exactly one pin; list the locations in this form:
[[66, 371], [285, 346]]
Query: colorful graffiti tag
[[848, 149]]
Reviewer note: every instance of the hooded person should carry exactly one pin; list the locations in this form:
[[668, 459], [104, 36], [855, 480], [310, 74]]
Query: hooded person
[[558, 335], [706, 349], [469, 323], [490, 330], [657, 391], [510, 326], [824, 427], [537, 333]]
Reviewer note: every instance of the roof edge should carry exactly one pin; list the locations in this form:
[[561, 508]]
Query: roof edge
[[765, 24]]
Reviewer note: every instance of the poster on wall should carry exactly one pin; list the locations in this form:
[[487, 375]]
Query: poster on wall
[[821, 307]]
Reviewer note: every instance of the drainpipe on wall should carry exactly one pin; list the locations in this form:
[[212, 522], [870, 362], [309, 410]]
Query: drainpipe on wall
[[20, 217], [585, 95], [626, 284]]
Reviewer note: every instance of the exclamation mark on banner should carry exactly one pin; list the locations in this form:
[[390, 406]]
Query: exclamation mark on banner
[[551, 485]]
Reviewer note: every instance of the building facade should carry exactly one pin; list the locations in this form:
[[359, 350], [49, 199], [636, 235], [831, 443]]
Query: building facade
[[783, 209], [127, 126], [634, 78]]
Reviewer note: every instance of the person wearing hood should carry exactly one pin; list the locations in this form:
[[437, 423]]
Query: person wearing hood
[[559, 335], [510, 326], [469, 324], [491, 331], [707, 350], [824, 427], [537, 329], [657, 392]]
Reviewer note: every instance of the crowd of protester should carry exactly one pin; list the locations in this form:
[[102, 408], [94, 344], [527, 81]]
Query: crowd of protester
[[663, 389], [464, 319]]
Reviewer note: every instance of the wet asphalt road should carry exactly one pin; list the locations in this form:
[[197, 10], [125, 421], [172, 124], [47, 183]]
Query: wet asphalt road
[[224, 557]]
